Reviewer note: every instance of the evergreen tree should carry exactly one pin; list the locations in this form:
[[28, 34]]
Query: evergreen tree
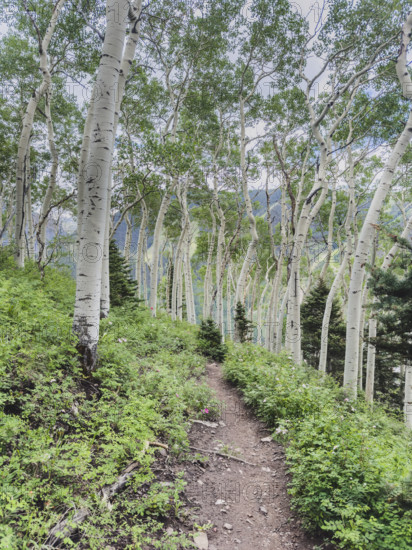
[[122, 287], [394, 311], [312, 315], [393, 342], [210, 340], [243, 327]]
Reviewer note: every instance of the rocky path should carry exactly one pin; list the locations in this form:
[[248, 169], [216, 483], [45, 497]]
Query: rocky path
[[248, 504]]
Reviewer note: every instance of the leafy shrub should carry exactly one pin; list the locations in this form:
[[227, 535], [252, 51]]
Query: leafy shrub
[[351, 465], [210, 340], [62, 437]]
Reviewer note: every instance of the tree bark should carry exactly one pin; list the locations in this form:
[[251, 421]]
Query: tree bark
[[134, 11], [89, 274]]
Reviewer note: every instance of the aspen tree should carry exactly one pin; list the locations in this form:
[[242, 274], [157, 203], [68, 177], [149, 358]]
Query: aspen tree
[[23, 147], [89, 269], [372, 216]]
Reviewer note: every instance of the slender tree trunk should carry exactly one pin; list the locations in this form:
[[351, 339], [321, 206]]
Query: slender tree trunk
[[344, 263], [260, 308], [219, 271], [228, 301], [279, 331], [10, 204], [251, 250], [45, 208], [362, 334], [89, 274], [274, 304], [105, 283], [177, 278], [145, 269], [366, 234], [330, 234], [208, 283], [179, 299], [30, 226], [128, 238], [1, 215], [139, 253], [23, 147], [154, 269], [293, 329], [408, 395]]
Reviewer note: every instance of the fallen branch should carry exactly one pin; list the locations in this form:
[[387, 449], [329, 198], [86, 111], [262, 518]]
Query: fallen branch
[[157, 444], [66, 528], [207, 451], [109, 490]]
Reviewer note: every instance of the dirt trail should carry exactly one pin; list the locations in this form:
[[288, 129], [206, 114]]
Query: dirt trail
[[248, 505]]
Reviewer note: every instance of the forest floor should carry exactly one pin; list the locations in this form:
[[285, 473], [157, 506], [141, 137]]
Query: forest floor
[[247, 502]]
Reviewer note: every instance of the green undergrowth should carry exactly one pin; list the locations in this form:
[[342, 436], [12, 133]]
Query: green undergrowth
[[351, 466], [63, 438]]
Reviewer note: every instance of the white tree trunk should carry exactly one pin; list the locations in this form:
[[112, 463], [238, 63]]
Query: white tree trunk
[[228, 301], [154, 268], [10, 204], [105, 283], [330, 234], [279, 330], [274, 304], [408, 396], [133, 10], [89, 273], [45, 207], [145, 269], [260, 307], [219, 271], [23, 147], [1, 215], [365, 293], [83, 170], [344, 263], [128, 238], [208, 282], [30, 226], [293, 328], [255, 284], [139, 254], [366, 234], [251, 250], [177, 273]]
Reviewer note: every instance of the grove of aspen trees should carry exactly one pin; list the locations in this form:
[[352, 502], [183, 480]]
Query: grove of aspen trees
[[241, 165]]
